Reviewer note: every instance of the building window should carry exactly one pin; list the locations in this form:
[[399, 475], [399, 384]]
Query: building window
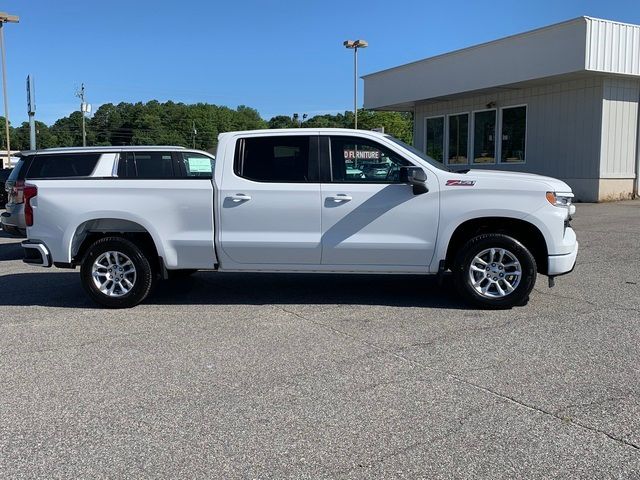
[[458, 139], [434, 138], [484, 136], [514, 128]]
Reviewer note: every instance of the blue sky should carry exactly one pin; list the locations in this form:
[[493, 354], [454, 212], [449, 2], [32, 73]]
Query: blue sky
[[277, 56]]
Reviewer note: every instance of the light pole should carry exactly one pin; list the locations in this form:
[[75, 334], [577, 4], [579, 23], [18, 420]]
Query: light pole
[[6, 18], [31, 111], [355, 45]]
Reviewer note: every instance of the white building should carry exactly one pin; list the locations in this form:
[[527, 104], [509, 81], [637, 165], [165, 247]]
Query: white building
[[560, 100], [6, 162]]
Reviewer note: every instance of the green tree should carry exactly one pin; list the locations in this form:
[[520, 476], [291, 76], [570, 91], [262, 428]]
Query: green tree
[[398, 124], [282, 121], [171, 123]]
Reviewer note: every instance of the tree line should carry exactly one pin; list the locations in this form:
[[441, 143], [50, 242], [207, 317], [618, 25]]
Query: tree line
[[170, 123]]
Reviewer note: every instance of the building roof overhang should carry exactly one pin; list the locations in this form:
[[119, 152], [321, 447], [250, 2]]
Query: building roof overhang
[[577, 47]]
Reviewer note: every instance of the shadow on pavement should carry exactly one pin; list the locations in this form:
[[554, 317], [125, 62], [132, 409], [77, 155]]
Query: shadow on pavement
[[10, 251], [63, 289]]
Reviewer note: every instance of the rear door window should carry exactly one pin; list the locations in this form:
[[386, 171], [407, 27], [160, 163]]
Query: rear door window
[[286, 159], [149, 165], [63, 165]]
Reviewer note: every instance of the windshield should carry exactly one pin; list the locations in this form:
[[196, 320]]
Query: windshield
[[419, 154]]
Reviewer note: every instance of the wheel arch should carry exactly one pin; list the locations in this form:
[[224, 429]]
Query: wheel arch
[[87, 232], [525, 232]]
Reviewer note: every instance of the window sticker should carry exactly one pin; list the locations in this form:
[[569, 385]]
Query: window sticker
[[199, 165]]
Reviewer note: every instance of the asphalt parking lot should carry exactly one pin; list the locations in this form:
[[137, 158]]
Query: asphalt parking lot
[[258, 376]]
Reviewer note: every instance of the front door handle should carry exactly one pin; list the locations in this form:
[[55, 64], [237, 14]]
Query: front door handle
[[240, 197], [341, 197]]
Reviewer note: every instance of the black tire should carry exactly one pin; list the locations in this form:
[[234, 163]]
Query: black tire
[[180, 274], [144, 276], [462, 272]]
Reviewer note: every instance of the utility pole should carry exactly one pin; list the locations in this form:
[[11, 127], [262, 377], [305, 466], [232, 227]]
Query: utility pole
[[6, 18], [194, 132], [84, 109], [31, 110]]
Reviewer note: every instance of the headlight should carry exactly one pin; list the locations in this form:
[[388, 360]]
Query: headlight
[[560, 199]]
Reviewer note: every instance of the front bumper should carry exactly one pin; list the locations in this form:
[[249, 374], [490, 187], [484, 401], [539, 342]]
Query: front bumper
[[36, 253], [561, 264]]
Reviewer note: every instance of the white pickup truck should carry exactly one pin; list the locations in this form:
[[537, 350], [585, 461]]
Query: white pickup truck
[[297, 200]]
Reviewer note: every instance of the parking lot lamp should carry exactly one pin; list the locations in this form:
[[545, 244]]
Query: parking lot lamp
[[355, 45]]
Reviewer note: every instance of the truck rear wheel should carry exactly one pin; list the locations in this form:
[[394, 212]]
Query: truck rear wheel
[[116, 273], [495, 271]]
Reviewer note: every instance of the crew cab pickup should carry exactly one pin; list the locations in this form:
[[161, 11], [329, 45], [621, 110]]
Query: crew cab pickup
[[288, 201]]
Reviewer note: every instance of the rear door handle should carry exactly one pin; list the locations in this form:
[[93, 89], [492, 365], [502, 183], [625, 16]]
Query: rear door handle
[[240, 197], [341, 197]]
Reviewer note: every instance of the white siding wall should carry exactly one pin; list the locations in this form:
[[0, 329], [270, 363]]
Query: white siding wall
[[619, 127], [613, 47], [563, 129]]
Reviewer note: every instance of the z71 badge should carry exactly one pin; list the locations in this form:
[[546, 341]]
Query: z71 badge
[[460, 183]]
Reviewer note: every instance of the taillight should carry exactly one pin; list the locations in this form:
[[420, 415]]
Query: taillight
[[29, 192], [17, 192]]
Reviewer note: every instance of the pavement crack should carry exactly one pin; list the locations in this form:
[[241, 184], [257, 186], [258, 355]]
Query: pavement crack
[[592, 403], [459, 379]]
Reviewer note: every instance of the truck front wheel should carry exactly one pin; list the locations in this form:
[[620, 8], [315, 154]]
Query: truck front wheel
[[116, 273], [494, 271]]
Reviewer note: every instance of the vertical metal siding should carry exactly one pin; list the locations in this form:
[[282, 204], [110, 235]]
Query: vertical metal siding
[[612, 47], [619, 127]]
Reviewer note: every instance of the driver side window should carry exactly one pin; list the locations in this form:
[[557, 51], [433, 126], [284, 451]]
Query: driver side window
[[358, 160]]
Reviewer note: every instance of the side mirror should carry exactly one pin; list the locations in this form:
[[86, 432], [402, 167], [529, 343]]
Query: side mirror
[[415, 176]]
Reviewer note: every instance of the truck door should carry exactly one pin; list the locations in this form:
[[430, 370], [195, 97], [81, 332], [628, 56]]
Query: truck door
[[270, 202], [369, 217]]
